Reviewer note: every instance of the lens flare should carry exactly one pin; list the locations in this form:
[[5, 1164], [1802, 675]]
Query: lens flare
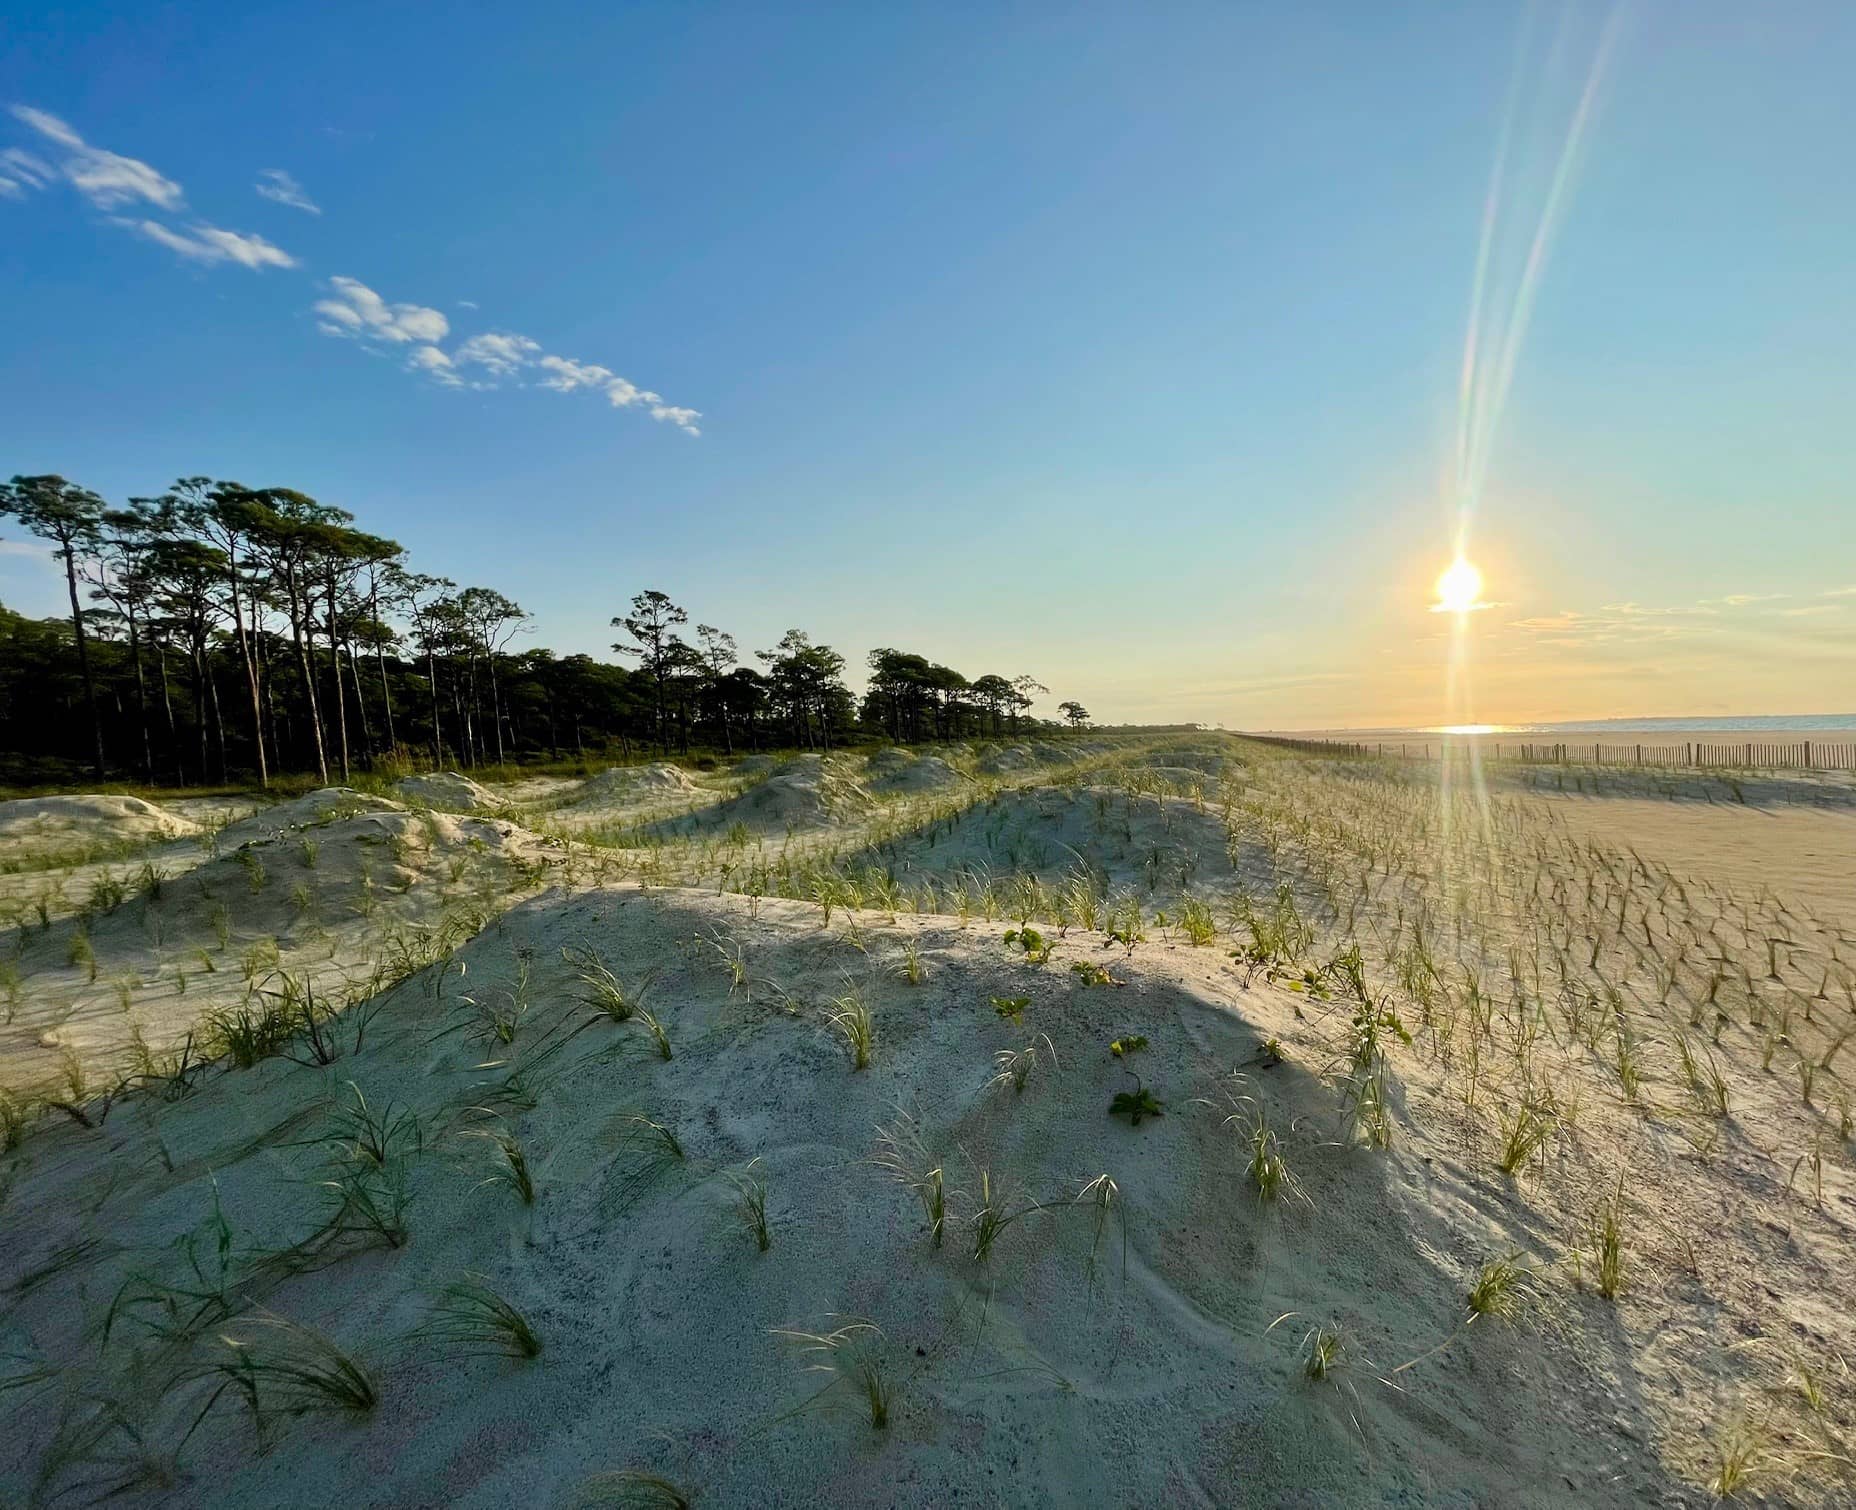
[[1459, 589]]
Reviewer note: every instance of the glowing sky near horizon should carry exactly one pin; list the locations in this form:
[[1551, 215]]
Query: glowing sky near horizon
[[1164, 355]]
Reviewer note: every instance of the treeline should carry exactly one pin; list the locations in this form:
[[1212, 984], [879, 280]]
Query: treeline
[[218, 632]]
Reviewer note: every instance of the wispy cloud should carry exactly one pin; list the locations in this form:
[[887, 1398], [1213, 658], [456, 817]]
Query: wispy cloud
[[209, 244], [279, 187], [499, 352], [20, 170], [1744, 599], [356, 311], [351, 310], [1841, 592], [433, 362], [107, 179], [1617, 622], [1813, 612]]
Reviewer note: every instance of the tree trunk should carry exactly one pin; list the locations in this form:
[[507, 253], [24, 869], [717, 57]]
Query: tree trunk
[[167, 704], [335, 668], [83, 657], [219, 723], [306, 667], [141, 694], [247, 658], [431, 681], [496, 707]]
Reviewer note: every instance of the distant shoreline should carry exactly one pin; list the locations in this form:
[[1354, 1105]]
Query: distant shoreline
[[1829, 728]]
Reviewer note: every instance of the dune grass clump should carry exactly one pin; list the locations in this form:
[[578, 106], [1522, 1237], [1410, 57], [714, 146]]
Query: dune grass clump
[[855, 1359], [627, 1489], [1525, 1128], [509, 1162], [1014, 1066], [281, 1368], [1501, 1289], [901, 1152], [1606, 1235], [751, 1204], [849, 1017], [600, 988], [470, 1320]]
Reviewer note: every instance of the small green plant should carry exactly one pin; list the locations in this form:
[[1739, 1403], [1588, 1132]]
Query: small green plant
[[1742, 1453], [1135, 1104], [751, 1204], [1607, 1239], [660, 1039], [600, 988], [1091, 974], [627, 1489], [1011, 1008], [470, 1320], [1500, 1289], [1322, 1351], [509, 1162], [855, 1357], [1195, 922], [1526, 1126], [80, 956], [849, 1017], [910, 966], [900, 1151], [282, 1368], [993, 1216], [1036, 948], [1015, 1065], [1128, 1043]]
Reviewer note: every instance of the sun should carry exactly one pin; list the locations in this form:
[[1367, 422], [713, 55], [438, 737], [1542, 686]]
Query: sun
[[1459, 589]]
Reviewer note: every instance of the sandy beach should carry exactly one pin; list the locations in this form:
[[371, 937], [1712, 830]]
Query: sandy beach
[[982, 1123]]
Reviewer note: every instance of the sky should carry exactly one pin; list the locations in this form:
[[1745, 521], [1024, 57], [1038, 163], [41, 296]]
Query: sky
[[1121, 346]]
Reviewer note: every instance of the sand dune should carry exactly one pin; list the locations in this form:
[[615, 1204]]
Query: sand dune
[[1352, 1253]]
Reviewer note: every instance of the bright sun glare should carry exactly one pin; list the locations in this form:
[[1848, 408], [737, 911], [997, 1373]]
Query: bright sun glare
[[1459, 589]]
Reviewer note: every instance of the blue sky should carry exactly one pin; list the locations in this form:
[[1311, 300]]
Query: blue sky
[[1118, 345]]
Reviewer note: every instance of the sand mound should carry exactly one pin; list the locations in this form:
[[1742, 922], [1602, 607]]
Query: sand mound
[[328, 805], [329, 902], [449, 791], [1116, 1352], [659, 778], [893, 772], [1183, 778], [1011, 758], [808, 792], [56, 827], [1156, 846]]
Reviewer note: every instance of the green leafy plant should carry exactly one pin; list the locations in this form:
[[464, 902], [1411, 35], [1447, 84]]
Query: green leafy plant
[[1011, 1008], [1128, 1043], [1135, 1104], [1036, 948]]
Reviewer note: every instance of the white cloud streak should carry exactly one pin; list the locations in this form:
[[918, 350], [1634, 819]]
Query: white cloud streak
[[352, 310], [107, 179], [356, 311], [209, 244], [279, 187]]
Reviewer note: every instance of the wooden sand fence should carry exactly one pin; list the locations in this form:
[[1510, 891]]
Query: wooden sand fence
[[1805, 755]]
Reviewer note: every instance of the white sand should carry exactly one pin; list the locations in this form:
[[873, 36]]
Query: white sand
[[1142, 1368]]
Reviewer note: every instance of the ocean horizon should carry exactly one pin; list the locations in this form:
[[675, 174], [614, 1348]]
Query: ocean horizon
[[1801, 724]]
